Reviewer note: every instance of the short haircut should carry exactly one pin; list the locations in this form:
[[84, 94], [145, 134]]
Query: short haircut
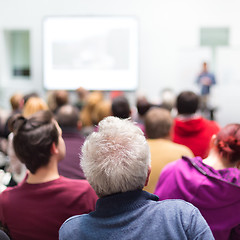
[[142, 106], [61, 97], [67, 116], [33, 138], [187, 102], [15, 101], [158, 122], [116, 158], [228, 142], [121, 107]]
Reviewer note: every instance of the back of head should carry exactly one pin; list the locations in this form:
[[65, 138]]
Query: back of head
[[102, 110], [61, 97], [142, 105], [33, 105], [187, 102], [116, 158], [168, 99], [33, 138], [228, 142], [121, 107], [67, 116], [158, 122], [15, 101], [28, 96], [82, 93], [92, 100]]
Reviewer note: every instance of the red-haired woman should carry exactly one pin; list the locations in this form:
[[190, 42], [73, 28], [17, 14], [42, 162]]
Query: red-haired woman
[[212, 184]]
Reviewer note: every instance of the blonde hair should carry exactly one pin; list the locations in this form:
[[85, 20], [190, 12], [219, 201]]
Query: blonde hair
[[33, 105], [86, 114], [102, 110]]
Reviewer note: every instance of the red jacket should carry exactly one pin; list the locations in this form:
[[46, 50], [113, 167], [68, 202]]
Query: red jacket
[[195, 133]]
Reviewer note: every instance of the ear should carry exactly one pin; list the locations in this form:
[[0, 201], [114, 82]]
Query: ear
[[148, 175], [238, 165], [79, 125], [54, 149], [213, 141]]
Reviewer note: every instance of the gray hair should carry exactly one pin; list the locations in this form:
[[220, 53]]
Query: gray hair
[[116, 158]]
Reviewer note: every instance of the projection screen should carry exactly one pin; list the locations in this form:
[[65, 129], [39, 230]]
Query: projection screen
[[97, 53]]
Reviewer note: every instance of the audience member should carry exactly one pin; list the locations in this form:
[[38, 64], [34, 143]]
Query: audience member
[[190, 128], [36, 208], [26, 97], [16, 168], [68, 119], [16, 102], [33, 105], [61, 98], [143, 105], [168, 99], [82, 94], [212, 184], [116, 162], [121, 109], [86, 115], [158, 124], [102, 110]]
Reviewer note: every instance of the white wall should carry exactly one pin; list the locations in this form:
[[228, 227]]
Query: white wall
[[168, 30]]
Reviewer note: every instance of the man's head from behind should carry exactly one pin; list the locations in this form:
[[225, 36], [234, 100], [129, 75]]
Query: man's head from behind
[[33, 139], [121, 107], [158, 122], [116, 158], [187, 102], [68, 116]]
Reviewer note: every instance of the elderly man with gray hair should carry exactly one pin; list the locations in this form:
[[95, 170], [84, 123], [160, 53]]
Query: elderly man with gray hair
[[116, 162]]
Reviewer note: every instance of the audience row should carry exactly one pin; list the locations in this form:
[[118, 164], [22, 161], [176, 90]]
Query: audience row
[[66, 158]]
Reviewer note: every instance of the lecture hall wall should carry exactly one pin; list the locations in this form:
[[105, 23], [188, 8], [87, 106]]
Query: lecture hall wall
[[169, 47]]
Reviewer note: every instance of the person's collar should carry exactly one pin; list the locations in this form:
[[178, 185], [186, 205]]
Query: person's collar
[[122, 202]]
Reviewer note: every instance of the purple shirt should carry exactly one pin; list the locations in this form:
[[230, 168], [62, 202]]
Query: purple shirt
[[215, 193], [70, 166]]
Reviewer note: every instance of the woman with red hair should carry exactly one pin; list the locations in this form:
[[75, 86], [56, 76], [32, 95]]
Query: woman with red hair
[[212, 184]]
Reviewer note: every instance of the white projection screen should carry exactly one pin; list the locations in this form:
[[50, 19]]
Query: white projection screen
[[97, 53]]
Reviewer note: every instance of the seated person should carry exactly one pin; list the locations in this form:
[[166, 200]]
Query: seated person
[[32, 105], [190, 128], [67, 117], [121, 109], [88, 111], [158, 124], [36, 208], [212, 184], [116, 162]]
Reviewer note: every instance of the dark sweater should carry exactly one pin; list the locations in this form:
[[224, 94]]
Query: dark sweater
[[137, 215]]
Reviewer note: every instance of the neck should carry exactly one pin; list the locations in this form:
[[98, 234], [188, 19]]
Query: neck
[[44, 174], [215, 161], [188, 116]]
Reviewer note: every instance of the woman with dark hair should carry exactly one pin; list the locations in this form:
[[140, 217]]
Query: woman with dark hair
[[212, 184]]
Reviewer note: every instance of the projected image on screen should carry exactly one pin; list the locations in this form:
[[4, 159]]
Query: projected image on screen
[[98, 52], [95, 52]]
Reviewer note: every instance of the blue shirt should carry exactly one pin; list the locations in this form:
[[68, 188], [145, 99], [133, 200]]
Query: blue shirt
[[137, 215], [205, 89]]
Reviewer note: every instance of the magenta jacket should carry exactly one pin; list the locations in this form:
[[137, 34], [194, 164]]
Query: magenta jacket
[[215, 193]]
